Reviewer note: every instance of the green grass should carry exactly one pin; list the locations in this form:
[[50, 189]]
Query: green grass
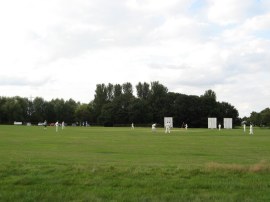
[[120, 164]]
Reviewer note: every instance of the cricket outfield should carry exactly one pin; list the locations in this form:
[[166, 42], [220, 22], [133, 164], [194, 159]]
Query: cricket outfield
[[121, 164]]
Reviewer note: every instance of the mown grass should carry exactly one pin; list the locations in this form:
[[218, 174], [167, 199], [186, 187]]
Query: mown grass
[[120, 164]]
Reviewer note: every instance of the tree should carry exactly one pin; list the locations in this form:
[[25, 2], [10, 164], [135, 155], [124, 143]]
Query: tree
[[255, 118], [38, 110], [127, 89], [110, 95], [210, 95], [101, 98], [265, 117], [157, 101], [226, 110], [15, 109], [70, 107], [119, 108], [82, 113], [140, 112], [58, 109], [117, 90], [208, 105], [50, 112], [3, 115], [116, 104], [259, 118], [143, 90], [194, 116], [107, 114], [188, 110]]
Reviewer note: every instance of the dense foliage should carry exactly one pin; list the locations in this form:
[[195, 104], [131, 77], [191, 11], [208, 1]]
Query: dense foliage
[[24, 110], [261, 119], [116, 105]]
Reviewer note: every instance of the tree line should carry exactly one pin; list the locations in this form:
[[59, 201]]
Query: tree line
[[261, 119], [116, 104], [37, 110]]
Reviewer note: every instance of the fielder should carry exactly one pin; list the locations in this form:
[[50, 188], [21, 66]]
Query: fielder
[[56, 126], [154, 127], [167, 127], [251, 129]]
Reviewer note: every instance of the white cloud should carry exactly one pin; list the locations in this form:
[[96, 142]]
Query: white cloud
[[64, 48], [158, 6], [230, 11]]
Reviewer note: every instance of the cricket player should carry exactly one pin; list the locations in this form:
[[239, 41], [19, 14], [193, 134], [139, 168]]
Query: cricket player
[[251, 129], [56, 126], [154, 127], [167, 127]]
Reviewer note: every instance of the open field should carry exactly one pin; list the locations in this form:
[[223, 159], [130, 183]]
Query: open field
[[120, 164]]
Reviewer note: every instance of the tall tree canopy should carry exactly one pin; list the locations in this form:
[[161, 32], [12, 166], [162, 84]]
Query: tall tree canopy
[[115, 104]]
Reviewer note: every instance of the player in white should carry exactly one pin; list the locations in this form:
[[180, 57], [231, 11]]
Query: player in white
[[186, 126], [244, 127], [132, 126], [154, 127], [219, 126], [63, 125], [167, 127], [251, 129], [56, 126]]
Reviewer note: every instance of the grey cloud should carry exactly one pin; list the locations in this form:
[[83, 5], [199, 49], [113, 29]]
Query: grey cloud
[[251, 62], [187, 76], [20, 81], [197, 81], [117, 26], [167, 66]]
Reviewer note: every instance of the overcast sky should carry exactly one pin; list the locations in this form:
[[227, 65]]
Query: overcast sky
[[63, 48]]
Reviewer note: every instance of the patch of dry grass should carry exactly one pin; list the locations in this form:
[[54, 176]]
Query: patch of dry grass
[[260, 167]]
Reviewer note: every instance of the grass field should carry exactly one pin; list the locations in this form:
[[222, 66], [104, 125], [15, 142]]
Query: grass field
[[120, 164]]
